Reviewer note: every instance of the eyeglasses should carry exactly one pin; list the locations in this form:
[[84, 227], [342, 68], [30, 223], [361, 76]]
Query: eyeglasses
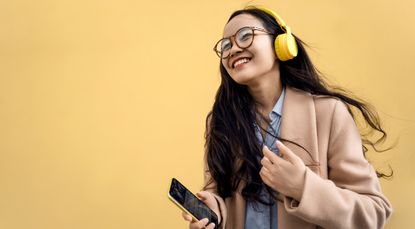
[[243, 38]]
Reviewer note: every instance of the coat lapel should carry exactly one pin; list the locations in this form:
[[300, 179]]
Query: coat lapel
[[299, 125]]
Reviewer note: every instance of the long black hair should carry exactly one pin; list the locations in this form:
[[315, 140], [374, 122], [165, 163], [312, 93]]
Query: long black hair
[[231, 144]]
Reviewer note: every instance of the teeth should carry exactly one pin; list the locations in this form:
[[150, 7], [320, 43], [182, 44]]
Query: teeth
[[241, 61]]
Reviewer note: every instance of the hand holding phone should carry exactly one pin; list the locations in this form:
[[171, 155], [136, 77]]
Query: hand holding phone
[[210, 200], [191, 205]]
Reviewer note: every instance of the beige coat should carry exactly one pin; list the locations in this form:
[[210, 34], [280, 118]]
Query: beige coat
[[341, 188]]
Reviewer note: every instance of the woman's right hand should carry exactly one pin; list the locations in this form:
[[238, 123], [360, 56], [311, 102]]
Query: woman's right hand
[[211, 202]]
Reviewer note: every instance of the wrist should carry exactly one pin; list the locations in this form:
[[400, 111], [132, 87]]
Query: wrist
[[300, 187]]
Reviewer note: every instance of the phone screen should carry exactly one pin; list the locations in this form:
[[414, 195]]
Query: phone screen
[[191, 203]]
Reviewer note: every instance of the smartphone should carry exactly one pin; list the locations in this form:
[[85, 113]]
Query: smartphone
[[189, 203]]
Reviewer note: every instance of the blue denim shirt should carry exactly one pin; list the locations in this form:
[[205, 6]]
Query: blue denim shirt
[[260, 216]]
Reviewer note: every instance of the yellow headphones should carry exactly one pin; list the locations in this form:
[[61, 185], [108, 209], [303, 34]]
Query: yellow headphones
[[285, 44]]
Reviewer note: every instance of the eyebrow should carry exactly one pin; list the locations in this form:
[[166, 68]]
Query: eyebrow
[[249, 26], [239, 29]]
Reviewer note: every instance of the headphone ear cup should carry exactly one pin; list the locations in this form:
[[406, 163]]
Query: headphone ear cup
[[280, 47], [285, 47], [291, 47]]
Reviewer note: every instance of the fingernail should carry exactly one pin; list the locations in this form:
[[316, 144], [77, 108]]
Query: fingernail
[[279, 143], [205, 220]]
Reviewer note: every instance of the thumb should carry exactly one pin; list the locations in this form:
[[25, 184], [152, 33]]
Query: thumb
[[286, 153], [202, 195]]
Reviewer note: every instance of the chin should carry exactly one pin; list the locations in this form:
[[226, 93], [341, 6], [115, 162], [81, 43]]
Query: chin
[[243, 80]]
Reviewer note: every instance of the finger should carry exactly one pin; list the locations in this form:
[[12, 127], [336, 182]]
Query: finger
[[265, 176], [264, 173], [202, 223], [187, 217], [202, 195], [207, 197], [194, 226], [211, 226], [267, 163], [287, 153], [270, 155]]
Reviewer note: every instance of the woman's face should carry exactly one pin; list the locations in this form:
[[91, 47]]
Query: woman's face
[[246, 66]]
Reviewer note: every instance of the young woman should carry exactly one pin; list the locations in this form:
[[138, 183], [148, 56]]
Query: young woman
[[282, 147]]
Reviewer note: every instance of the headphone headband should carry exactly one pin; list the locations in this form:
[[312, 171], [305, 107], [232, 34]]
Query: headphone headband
[[279, 20], [285, 44]]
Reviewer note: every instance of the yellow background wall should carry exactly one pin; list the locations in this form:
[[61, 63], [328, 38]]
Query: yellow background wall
[[102, 102]]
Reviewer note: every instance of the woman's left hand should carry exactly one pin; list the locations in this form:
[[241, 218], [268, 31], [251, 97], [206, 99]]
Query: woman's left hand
[[283, 174]]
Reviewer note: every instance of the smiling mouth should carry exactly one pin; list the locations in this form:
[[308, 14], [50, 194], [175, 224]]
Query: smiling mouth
[[240, 62]]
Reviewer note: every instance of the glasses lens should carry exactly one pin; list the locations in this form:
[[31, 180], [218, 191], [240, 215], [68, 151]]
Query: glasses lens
[[244, 37], [223, 47]]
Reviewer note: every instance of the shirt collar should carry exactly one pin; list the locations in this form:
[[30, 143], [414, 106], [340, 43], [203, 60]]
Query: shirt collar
[[277, 110]]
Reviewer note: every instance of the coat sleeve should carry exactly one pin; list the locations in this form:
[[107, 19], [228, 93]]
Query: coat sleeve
[[351, 196], [210, 185]]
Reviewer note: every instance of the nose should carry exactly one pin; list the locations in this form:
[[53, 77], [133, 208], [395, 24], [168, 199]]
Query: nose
[[235, 48], [233, 53]]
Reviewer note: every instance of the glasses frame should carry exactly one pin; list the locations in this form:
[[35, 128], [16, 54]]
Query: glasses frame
[[253, 28]]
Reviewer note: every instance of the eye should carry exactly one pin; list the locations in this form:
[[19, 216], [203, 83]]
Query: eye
[[245, 34], [225, 45]]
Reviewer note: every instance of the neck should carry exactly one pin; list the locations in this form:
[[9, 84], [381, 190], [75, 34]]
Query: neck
[[266, 92]]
